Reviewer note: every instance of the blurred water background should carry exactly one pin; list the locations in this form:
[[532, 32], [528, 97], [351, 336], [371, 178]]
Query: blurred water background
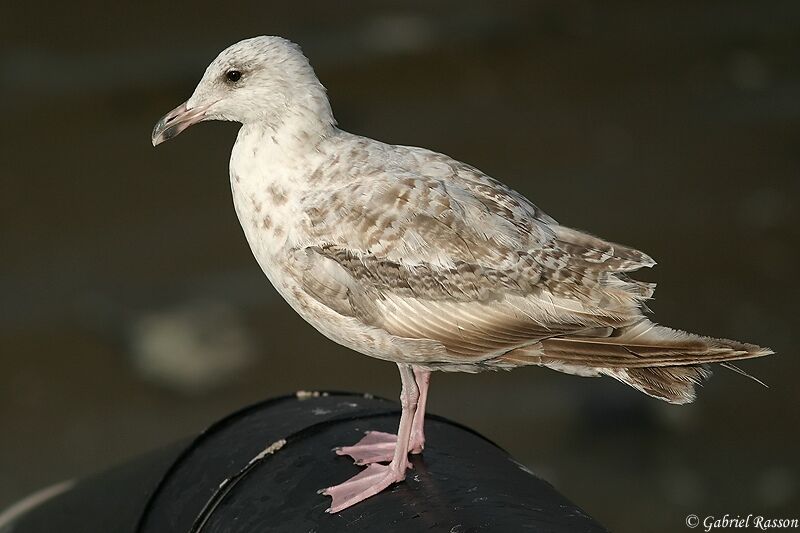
[[133, 313]]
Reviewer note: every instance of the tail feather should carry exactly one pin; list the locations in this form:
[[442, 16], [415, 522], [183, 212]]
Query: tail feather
[[645, 345], [674, 384], [662, 362]]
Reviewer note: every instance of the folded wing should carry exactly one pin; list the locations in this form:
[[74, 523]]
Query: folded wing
[[460, 259]]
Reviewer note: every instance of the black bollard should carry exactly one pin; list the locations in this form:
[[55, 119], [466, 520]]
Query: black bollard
[[259, 470]]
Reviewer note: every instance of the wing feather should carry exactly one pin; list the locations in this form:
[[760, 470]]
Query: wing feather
[[430, 249], [435, 249]]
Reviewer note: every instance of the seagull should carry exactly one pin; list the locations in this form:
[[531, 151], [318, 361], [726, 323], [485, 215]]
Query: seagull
[[407, 255]]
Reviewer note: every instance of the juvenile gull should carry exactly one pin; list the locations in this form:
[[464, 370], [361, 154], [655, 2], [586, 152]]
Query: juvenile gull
[[407, 255]]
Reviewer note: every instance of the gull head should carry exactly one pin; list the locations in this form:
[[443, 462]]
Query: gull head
[[263, 80]]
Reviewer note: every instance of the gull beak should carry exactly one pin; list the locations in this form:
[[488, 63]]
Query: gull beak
[[176, 121]]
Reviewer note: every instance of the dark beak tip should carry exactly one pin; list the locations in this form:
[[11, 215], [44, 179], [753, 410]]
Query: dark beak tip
[[155, 135], [171, 124]]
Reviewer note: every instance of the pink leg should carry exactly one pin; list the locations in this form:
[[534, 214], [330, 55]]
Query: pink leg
[[417, 444], [376, 477], [378, 446]]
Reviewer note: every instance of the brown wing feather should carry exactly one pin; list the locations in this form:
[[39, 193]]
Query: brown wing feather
[[439, 251], [659, 361], [477, 314], [642, 345]]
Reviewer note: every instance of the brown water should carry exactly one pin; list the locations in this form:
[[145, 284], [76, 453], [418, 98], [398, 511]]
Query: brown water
[[670, 126]]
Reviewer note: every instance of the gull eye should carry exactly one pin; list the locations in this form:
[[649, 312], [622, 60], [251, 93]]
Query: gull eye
[[233, 75]]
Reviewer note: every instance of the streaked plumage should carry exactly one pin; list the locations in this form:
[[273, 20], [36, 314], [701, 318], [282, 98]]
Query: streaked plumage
[[420, 246], [408, 255]]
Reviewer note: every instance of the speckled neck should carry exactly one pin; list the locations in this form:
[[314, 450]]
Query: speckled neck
[[302, 123]]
